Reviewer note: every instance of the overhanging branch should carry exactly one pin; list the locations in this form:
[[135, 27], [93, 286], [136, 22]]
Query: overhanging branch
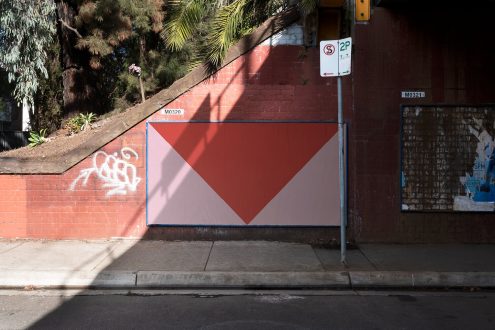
[[70, 28]]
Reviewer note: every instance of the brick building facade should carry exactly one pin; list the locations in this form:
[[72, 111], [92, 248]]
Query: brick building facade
[[399, 49], [440, 50]]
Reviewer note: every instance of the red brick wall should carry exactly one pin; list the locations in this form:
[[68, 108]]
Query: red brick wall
[[268, 83], [43, 206], [443, 53], [398, 50]]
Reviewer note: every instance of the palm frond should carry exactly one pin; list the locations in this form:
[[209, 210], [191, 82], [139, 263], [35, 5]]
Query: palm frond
[[181, 26], [226, 28], [232, 19]]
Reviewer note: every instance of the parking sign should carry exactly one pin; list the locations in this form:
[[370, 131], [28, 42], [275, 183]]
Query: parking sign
[[335, 57]]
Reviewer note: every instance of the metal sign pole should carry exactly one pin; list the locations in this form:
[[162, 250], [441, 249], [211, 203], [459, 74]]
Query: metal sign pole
[[335, 61], [343, 221]]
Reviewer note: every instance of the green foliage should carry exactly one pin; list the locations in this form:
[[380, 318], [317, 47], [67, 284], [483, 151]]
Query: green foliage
[[117, 33], [186, 17], [27, 29], [227, 21], [229, 25], [107, 24], [161, 68], [86, 120], [81, 122], [147, 15], [37, 138], [173, 67], [101, 40]]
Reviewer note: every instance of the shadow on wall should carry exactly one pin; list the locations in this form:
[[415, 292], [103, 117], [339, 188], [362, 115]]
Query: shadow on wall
[[279, 83], [443, 52]]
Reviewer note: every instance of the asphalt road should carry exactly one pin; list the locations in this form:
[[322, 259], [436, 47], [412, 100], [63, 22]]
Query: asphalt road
[[390, 310]]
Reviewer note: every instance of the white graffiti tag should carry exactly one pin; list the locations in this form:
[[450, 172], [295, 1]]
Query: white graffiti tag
[[117, 174]]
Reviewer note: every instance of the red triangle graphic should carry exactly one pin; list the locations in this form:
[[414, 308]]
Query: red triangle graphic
[[247, 164]]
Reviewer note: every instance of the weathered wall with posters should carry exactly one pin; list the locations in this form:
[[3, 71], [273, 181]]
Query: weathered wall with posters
[[444, 53], [448, 159]]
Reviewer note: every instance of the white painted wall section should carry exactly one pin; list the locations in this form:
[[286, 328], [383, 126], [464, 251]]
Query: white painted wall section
[[292, 35]]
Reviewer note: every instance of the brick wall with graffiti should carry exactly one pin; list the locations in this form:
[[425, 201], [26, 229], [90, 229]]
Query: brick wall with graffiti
[[105, 195], [100, 197]]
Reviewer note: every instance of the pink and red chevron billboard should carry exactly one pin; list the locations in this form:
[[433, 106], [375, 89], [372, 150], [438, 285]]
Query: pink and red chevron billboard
[[242, 174]]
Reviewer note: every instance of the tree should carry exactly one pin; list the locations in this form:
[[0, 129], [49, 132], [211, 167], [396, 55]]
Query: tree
[[97, 40], [108, 23], [96, 37], [78, 82], [228, 22], [26, 30]]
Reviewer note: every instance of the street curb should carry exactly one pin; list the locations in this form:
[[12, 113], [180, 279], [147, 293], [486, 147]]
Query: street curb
[[14, 279], [67, 279], [425, 279], [150, 279]]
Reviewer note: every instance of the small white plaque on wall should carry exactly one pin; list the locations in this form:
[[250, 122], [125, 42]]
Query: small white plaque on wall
[[172, 112], [413, 94]]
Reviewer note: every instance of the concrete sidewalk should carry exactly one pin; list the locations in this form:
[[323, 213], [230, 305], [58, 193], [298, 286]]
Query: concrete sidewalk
[[137, 264]]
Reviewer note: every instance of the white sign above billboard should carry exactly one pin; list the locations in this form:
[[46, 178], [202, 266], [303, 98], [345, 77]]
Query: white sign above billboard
[[335, 57]]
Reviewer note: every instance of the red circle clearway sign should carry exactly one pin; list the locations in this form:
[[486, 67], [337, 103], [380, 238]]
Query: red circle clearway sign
[[329, 49]]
